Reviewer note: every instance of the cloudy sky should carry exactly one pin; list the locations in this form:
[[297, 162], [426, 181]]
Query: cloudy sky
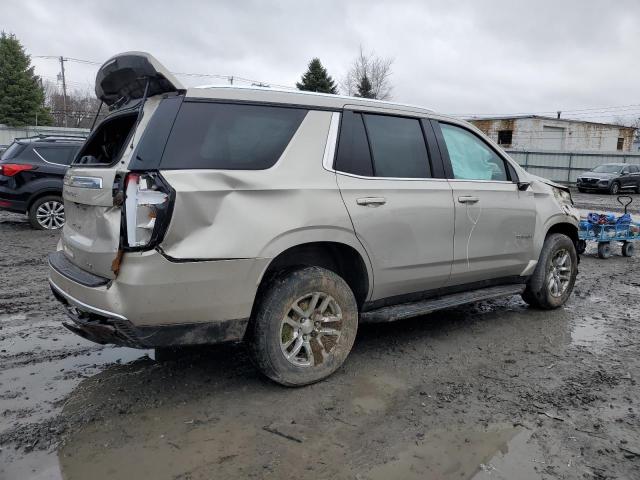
[[465, 57]]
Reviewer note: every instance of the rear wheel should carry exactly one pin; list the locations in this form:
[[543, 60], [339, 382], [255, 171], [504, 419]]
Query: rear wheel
[[628, 249], [581, 246], [304, 326], [554, 277], [47, 213]]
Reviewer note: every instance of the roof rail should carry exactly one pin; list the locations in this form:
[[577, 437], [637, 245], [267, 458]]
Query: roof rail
[[52, 138]]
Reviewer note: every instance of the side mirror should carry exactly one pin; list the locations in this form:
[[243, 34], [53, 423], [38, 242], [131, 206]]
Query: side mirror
[[522, 186]]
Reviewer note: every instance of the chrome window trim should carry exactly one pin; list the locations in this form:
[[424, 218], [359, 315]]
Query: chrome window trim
[[332, 142], [47, 161], [430, 179]]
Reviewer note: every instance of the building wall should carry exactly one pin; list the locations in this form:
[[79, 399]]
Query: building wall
[[552, 134], [7, 134]]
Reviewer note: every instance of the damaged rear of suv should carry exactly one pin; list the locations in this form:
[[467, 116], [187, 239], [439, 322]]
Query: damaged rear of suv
[[283, 219]]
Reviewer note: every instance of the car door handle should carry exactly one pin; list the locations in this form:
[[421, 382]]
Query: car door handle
[[468, 199], [371, 201]]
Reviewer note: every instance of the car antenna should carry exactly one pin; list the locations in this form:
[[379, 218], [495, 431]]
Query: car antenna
[[97, 114], [140, 112]]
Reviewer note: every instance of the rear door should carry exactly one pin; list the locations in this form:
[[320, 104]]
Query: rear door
[[401, 211], [494, 220]]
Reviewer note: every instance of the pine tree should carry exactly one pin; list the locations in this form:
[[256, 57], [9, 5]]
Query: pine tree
[[21, 93], [365, 89], [316, 79]]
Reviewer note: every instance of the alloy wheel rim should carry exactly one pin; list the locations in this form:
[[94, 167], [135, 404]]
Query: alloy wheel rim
[[50, 215], [311, 329], [559, 275]]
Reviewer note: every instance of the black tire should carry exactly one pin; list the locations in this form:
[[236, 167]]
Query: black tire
[[581, 246], [267, 330], [628, 249], [604, 250], [538, 292], [582, 190], [614, 189], [37, 223]]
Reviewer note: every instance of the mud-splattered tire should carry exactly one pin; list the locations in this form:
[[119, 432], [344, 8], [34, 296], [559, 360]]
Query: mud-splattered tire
[[539, 292], [287, 319], [581, 247], [628, 249]]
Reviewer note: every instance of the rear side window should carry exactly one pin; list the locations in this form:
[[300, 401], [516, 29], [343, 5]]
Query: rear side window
[[397, 146], [14, 150], [230, 136], [353, 148], [59, 155]]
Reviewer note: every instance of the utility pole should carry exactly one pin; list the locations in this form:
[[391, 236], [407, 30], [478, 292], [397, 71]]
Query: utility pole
[[231, 80], [64, 90]]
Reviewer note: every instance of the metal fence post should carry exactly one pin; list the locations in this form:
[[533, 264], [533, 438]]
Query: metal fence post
[[569, 169]]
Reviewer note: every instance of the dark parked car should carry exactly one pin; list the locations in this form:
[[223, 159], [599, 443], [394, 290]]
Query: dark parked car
[[612, 177], [31, 174]]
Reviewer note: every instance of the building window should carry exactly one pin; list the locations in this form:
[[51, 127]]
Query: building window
[[505, 137], [620, 143]]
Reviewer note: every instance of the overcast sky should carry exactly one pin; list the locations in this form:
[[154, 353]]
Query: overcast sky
[[477, 57]]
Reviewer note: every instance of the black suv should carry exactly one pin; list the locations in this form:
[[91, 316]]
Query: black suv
[[611, 177], [31, 175]]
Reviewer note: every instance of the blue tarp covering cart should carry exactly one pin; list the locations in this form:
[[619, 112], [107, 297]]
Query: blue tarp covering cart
[[606, 229]]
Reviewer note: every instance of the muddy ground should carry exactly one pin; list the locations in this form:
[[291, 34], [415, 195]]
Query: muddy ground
[[494, 390]]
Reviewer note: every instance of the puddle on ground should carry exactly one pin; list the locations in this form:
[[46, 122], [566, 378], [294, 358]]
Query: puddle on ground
[[503, 453], [591, 333]]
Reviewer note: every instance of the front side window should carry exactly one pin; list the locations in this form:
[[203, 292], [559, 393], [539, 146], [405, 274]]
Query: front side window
[[471, 158], [230, 136], [398, 147]]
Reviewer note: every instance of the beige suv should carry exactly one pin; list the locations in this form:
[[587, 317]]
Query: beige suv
[[284, 219]]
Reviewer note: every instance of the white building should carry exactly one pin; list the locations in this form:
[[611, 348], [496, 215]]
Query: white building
[[534, 133]]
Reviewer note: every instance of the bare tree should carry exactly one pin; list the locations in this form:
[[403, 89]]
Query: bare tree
[[377, 70], [81, 106]]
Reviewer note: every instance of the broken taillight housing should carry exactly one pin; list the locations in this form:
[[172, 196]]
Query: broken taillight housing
[[147, 209]]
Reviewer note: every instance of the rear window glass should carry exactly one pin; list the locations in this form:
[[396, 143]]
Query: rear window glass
[[60, 155], [230, 136], [13, 151]]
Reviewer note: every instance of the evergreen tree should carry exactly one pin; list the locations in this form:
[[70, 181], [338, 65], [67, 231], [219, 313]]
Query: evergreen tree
[[316, 79], [21, 93], [365, 89]]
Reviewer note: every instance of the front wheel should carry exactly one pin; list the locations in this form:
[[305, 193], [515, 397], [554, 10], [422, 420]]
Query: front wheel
[[304, 327], [615, 188], [628, 249], [555, 275]]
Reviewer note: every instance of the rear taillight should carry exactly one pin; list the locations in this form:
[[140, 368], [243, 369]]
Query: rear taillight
[[147, 207], [11, 169]]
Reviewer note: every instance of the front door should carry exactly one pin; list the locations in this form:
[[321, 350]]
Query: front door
[[494, 220], [401, 214]]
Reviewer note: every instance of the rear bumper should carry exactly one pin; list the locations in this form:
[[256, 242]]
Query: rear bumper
[[10, 202], [155, 302]]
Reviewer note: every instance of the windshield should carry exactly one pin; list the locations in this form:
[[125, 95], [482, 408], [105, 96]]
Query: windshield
[[13, 151], [607, 169]]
